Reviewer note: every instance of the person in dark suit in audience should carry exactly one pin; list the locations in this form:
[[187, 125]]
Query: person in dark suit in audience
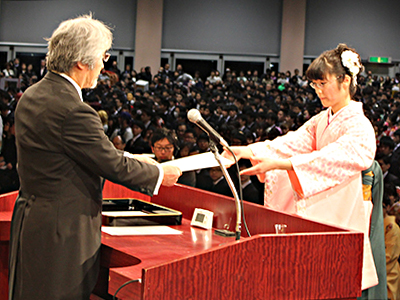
[[395, 156], [43, 69], [137, 145], [218, 183], [250, 192], [62, 160], [386, 145], [119, 142], [203, 143], [385, 163], [9, 180]]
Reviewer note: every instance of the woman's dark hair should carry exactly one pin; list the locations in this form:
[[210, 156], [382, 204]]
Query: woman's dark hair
[[330, 62]]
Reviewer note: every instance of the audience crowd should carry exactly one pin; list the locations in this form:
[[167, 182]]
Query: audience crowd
[[244, 107], [150, 116]]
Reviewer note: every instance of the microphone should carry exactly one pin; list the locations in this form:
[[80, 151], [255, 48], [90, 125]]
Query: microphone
[[194, 116]]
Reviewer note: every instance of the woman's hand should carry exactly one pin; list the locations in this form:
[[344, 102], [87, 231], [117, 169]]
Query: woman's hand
[[239, 151], [261, 165]]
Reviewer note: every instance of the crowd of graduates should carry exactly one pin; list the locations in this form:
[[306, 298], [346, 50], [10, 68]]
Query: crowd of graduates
[[243, 106], [146, 113]]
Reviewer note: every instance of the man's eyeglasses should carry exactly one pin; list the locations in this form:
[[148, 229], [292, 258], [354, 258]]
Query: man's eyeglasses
[[106, 57], [322, 85], [166, 148]]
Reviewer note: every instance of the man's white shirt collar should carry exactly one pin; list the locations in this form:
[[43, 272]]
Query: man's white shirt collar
[[77, 87]]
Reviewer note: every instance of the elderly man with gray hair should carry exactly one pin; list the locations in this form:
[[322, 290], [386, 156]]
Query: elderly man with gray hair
[[63, 154]]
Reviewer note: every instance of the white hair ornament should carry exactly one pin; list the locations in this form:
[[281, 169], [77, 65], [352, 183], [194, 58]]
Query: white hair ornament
[[351, 61]]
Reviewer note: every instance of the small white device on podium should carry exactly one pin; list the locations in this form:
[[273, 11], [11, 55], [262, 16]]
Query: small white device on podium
[[202, 218]]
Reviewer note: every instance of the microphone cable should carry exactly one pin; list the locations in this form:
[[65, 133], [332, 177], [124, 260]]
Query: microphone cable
[[240, 191], [195, 117], [123, 285]]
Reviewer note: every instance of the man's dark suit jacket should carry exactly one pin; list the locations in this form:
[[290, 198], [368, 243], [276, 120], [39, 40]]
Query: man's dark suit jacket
[[56, 227]]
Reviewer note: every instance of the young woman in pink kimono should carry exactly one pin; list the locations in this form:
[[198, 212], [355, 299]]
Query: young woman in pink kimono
[[315, 171]]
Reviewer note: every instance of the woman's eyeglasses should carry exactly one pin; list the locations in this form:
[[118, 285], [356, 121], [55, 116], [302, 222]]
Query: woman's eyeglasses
[[321, 85]]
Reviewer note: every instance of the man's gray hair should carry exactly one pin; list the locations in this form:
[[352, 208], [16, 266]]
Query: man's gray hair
[[82, 39]]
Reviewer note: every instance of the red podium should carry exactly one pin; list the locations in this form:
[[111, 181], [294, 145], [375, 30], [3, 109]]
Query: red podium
[[310, 261], [6, 207]]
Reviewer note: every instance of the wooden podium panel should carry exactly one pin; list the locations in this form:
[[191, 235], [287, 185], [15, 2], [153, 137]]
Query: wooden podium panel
[[6, 206], [155, 250], [311, 261], [311, 266]]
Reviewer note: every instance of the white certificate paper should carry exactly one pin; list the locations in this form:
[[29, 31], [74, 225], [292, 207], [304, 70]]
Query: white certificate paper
[[129, 213], [197, 162], [140, 230]]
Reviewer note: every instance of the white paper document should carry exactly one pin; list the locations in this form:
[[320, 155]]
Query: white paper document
[[197, 162], [140, 230], [129, 213]]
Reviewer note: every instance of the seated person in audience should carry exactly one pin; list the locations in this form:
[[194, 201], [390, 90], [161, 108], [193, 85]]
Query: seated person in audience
[[250, 192], [386, 145], [392, 244], [242, 120], [208, 114], [203, 179], [148, 134], [147, 117], [233, 113], [391, 192], [104, 119], [190, 137], [203, 143], [9, 180], [385, 163], [113, 125], [8, 71], [163, 145], [214, 181], [137, 145], [395, 157], [184, 149], [125, 120], [180, 131], [238, 138], [119, 142]]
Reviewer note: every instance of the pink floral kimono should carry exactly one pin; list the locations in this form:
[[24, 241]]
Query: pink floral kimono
[[328, 154]]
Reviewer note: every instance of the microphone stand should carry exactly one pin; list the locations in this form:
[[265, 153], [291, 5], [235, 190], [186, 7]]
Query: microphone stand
[[214, 150]]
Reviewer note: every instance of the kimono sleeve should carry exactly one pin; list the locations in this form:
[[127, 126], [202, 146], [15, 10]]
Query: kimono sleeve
[[339, 160], [293, 143]]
